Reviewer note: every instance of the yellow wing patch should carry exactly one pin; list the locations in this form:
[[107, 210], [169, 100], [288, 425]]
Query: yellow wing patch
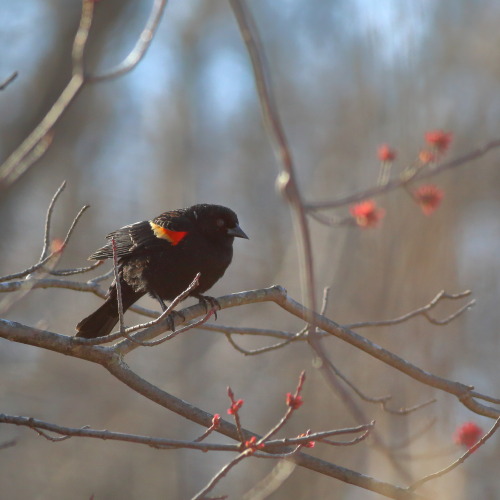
[[173, 237]]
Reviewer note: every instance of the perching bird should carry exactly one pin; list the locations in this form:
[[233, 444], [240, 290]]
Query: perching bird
[[162, 256]]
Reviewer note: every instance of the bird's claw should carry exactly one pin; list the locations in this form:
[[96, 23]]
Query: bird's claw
[[210, 303], [171, 319]]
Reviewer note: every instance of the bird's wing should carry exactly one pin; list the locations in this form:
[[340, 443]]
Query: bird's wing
[[170, 227]]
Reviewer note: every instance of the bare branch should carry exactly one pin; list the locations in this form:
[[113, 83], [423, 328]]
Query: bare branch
[[485, 397], [359, 393], [64, 433], [141, 46], [81, 38], [422, 311], [407, 411], [262, 350], [49, 257], [286, 181], [332, 221], [324, 303], [48, 220], [352, 442], [77, 270], [15, 165], [223, 472]]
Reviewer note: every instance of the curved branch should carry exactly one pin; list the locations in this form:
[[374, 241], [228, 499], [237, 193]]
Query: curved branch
[[83, 348], [140, 49]]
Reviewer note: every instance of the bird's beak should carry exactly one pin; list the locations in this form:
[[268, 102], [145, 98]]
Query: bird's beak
[[237, 232]]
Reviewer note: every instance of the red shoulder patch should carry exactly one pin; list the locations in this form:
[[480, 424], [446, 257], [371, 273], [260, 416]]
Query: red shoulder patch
[[173, 237]]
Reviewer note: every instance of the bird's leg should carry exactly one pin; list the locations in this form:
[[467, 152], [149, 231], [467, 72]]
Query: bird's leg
[[160, 300], [170, 317], [210, 303]]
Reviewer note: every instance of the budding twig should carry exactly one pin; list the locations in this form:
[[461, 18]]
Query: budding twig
[[457, 462]]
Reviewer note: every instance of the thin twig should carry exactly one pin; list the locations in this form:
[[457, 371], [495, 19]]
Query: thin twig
[[354, 388], [118, 286], [42, 427], [318, 436], [77, 270], [421, 311], [262, 350], [411, 409], [383, 400], [291, 408], [457, 462], [259, 332], [352, 442], [324, 302], [223, 472], [73, 225], [452, 316], [484, 397], [332, 221], [47, 263], [140, 49], [49, 257], [48, 220], [8, 80], [54, 439], [274, 456], [14, 166], [234, 411], [215, 425]]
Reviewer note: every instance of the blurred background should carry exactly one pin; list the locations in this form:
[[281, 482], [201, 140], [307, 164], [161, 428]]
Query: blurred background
[[185, 127]]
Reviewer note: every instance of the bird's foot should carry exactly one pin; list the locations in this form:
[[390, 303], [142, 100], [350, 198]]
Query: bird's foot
[[171, 319], [210, 303]]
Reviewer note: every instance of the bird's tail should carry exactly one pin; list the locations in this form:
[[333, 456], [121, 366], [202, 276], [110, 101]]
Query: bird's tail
[[102, 321]]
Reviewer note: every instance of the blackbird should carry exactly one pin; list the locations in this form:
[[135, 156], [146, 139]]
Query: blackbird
[[161, 257]]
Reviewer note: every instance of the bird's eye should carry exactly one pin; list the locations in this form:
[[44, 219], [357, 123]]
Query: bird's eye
[[220, 223]]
